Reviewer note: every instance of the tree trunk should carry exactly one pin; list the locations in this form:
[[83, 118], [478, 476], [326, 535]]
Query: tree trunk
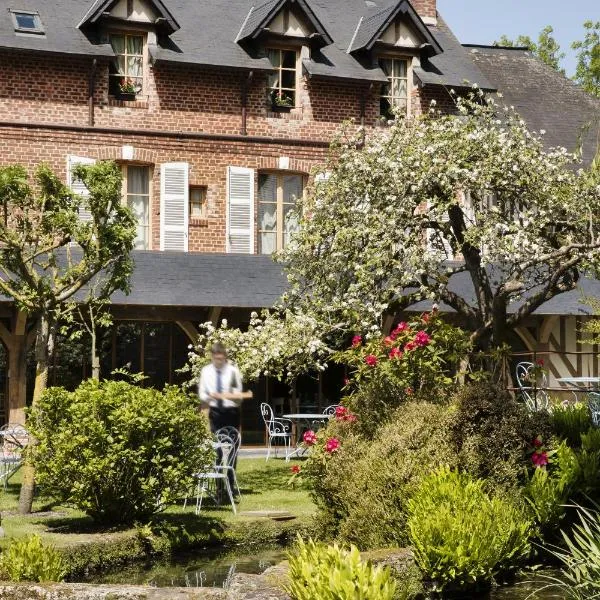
[[44, 342], [17, 379], [95, 357]]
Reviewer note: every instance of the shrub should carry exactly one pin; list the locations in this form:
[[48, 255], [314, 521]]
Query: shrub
[[460, 536], [29, 559], [331, 573], [118, 452], [493, 433], [361, 490], [571, 421]]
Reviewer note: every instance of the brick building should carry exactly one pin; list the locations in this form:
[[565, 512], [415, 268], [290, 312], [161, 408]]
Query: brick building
[[218, 112]]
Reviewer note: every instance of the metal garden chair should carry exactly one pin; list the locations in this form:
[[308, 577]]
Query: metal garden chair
[[277, 429], [13, 439], [594, 406], [229, 462], [534, 393]]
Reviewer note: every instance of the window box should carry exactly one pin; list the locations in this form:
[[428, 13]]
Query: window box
[[277, 108], [130, 96]]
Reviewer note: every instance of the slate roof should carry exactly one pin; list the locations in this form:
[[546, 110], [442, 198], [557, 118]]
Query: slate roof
[[209, 29], [544, 98], [200, 280]]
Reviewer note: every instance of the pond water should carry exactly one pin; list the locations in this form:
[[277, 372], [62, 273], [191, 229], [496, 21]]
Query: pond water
[[205, 569]]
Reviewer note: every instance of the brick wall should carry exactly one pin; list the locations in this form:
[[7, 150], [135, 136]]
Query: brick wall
[[425, 8]]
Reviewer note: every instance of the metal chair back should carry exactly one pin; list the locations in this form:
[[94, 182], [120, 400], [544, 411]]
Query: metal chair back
[[236, 440], [267, 413], [533, 392], [594, 406], [227, 452], [330, 410]]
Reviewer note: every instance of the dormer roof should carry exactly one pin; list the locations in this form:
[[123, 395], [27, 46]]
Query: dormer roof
[[258, 19], [370, 28], [102, 8]]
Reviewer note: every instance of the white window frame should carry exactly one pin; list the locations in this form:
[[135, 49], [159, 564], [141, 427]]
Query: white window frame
[[125, 196], [144, 56]]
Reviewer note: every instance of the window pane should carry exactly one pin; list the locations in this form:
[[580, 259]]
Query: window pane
[[274, 56], [135, 44], [290, 222], [118, 44], [273, 80], [292, 188], [267, 217], [399, 88], [400, 103], [139, 207], [386, 65], [288, 79], [289, 59], [267, 188], [120, 64], [135, 66], [399, 68], [138, 180], [267, 243], [25, 21]]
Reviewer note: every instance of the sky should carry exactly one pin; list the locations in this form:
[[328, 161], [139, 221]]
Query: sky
[[484, 21]]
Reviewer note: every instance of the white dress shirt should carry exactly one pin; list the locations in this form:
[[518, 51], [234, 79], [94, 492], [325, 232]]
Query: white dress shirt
[[231, 383]]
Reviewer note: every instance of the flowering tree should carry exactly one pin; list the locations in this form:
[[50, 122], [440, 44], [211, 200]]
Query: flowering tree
[[407, 209]]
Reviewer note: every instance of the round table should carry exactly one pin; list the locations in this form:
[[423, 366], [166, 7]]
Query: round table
[[308, 419]]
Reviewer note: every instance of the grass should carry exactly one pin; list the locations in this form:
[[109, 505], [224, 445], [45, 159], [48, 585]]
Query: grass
[[263, 485]]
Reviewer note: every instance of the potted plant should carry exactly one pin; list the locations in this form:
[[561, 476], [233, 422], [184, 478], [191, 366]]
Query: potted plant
[[127, 90], [281, 102]]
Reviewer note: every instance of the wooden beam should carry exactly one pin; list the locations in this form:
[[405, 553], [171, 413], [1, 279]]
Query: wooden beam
[[528, 339], [548, 325], [6, 336], [189, 329], [215, 313]]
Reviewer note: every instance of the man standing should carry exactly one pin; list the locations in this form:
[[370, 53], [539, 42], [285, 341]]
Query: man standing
[[220, 389]]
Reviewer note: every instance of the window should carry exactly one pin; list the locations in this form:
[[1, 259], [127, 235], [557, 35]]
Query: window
[[136, 183], [277, 196], [394, 94], [282, 83], [197, 202], [27, 22], [127, 71]]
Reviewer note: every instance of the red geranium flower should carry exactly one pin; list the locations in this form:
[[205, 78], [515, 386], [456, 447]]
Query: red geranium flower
[[356, 341], [389, 340], [332, 445], [539, 362], [539, 459], [295, 469], [401, 327], [410, 346], [422, 339], [408, 391], [538, 441], [309, 437], [371, 360], [396, 353], [350, 418], [340, 412]]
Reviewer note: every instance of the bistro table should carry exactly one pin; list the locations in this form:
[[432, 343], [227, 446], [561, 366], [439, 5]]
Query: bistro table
[[581, 384], [304, 419]]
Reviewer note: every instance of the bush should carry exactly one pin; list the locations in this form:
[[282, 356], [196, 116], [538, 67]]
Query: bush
[[330, 573], [29, 559], [362, 488], [492, 434], [460, 536], [118, 452], [571, 421]]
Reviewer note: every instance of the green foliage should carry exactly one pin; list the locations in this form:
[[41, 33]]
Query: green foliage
[[29, 559], [569, 422], [118, 452], [460, 536], [331, 573], [587, 74], [362, 489], [492, 434], [387, 371], [547, 49]]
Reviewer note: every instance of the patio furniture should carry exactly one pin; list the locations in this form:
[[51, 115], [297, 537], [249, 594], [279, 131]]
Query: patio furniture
[[308, 420], [229, 462], [594, 406], [581, 385], [216, 475], [13, 440], [535, 395], [277, 429], [330, 410]]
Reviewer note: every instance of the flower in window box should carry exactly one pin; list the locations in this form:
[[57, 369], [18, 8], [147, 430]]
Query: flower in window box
[[127, 89], [281, 100]]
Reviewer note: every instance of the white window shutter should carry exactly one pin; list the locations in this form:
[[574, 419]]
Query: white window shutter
[[77, 185], [240, 210], [174, 206]]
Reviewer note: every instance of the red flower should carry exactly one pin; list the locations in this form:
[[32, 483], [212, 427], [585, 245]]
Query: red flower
[[332, 445], [356, 341], [346, 381], [539, 459], [371, 360], [389, 340], [309, 437], [538, 441], [408, 391], [410, 346], [401, 327], [539, 362], [340, 412], [396, 353], [295, 469], [422, 339]]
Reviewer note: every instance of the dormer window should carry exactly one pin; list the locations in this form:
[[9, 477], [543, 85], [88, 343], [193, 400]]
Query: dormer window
[[395, 93], [282, 85], [126, 76], [27, 22]]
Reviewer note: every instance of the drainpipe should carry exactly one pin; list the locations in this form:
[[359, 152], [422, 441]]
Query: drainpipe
[[91, 90], [245, 86]]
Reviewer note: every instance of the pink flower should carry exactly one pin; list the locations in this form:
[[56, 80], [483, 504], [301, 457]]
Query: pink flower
[[332, 445], [396, 353], [340, 412], [295, 469], [389, 340], [537, 442], [371, 360], [356, 341], [539, 459], [350, 418], [309, 437], [401, 327], [422, 339], [410, 346]]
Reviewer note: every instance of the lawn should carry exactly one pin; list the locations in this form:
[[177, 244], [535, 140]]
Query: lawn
[[264, 487]]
